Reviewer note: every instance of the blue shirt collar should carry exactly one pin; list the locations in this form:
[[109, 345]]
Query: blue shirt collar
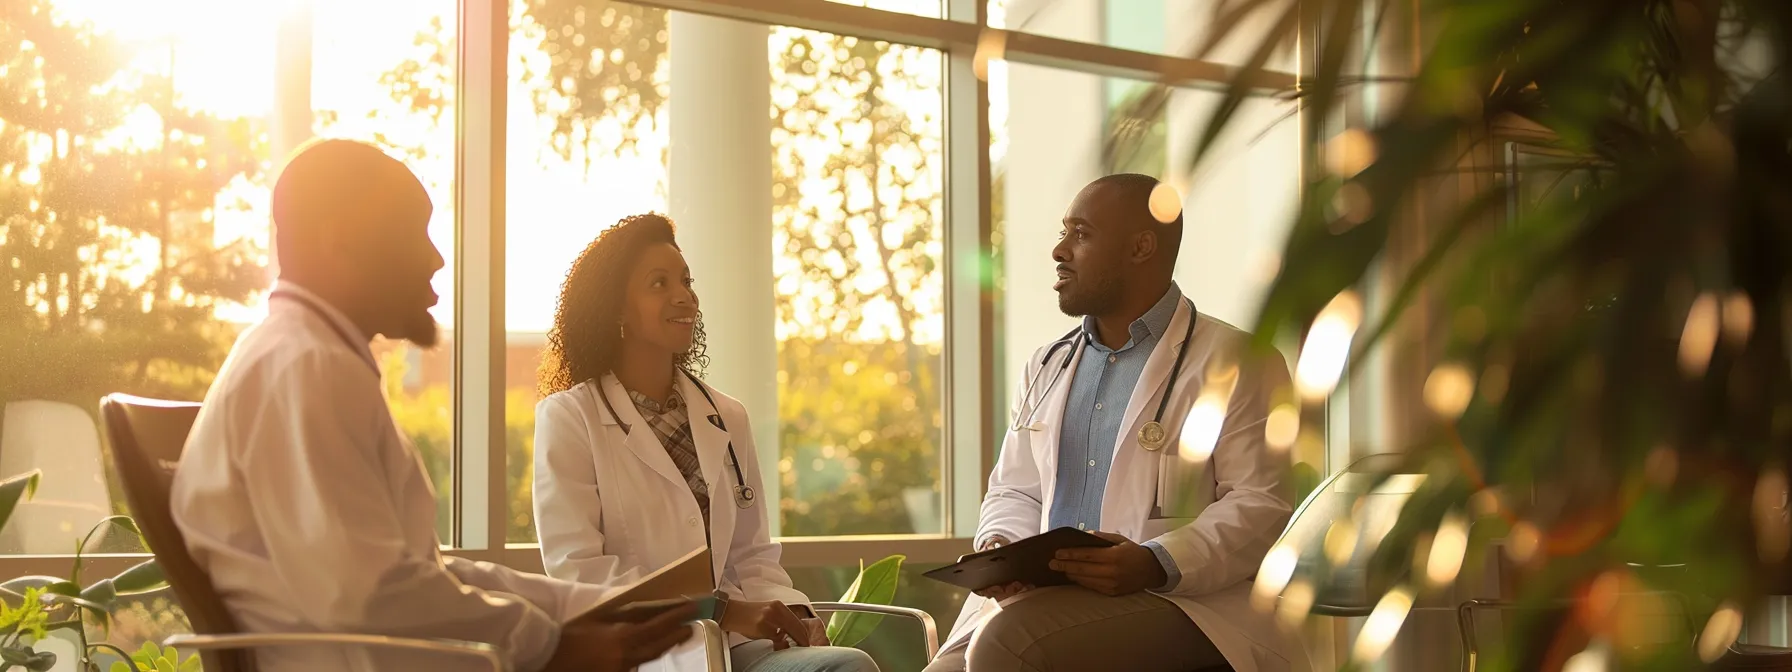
[[1153, 323]]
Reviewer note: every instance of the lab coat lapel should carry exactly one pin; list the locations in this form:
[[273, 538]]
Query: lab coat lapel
[[641, 439], [712, 442], [1052, 415]]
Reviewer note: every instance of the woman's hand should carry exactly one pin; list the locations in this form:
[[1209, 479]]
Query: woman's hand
[[766, 620]]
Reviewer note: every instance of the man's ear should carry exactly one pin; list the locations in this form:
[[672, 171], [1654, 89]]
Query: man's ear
[[1144, 246]]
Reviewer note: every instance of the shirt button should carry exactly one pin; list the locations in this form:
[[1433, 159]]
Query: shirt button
[[1098, 407], [1091, 463], [1081, 526], [1110, 359]]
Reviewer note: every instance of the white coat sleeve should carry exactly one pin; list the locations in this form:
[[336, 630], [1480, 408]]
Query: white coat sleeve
[[569, 510], [317, 477], [754, 559], [1227, 541], [1015, 502]]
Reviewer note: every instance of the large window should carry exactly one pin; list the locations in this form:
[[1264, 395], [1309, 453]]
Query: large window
[[137, 149], [853, 209]]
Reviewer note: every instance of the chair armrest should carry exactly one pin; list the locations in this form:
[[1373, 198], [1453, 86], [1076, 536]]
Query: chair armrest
[[715, 646], [928, 629], [480, 650]]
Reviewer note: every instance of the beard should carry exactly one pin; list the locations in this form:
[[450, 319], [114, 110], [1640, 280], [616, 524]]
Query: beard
[[1091, 298], [420, 329]]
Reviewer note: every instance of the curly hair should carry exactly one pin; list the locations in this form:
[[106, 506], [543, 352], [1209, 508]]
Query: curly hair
[[584, 342]]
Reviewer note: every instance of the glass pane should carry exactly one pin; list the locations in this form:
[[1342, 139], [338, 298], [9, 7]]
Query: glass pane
[[1054, 131], [932, 8], [1169, 27], [855, 152], [137, 150], [897, 643], [386, 75], [857, 159], [587, 145]]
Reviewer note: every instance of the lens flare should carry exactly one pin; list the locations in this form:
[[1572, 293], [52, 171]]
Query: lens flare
[[1448, 549], [1273, 575], [1327, 348], [1448, 390], [1165, 203], [1699, 335], [1721, 630], [1282, 427], [1383, 625]]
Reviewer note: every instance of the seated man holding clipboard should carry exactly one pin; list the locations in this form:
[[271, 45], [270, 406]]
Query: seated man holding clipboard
[[1158, 522]]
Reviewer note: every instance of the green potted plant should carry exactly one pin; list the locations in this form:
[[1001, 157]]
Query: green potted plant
[[34, 609], [875, 584]]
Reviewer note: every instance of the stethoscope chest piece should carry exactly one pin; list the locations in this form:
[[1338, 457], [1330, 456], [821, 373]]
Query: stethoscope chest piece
[[744, 496], [1152, 436]]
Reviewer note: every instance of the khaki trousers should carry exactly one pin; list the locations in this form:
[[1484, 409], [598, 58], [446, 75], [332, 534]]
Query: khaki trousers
[[1070, 628]]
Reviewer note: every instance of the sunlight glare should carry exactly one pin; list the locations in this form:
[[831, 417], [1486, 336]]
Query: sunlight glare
[[1340, 541], [1773, 530], [1699, 335], [1721, 630], [1327, 348], [1201, 429], [992, 45], [1448, 549], [1295, 604], [1282, 427], [1165, 203], [1349, 152], [1383, 625], [1273, 575], [1449, 389], [1738, 318], [1595, 658]]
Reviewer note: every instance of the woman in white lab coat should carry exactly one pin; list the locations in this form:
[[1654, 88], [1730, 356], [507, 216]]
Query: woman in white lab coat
[[637, 462]]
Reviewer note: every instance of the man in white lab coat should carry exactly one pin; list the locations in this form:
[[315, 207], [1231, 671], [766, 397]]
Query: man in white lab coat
[[299, 496], [1144, 426]]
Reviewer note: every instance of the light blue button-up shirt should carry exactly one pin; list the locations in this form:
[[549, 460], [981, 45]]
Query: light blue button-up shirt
[[1102, 387]]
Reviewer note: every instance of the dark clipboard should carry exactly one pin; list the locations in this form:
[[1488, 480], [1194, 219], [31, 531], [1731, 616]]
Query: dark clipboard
[[1026, 561]]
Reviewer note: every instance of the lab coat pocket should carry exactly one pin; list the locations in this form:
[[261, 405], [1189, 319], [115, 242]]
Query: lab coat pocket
[[1184, 487]]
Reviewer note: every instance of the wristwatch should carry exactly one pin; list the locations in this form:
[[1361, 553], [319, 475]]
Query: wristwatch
[[993, 541], [721, 606]]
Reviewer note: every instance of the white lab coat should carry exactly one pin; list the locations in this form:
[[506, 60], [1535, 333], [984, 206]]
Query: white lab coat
[[310, 512], [611, 507], [1219, 518]]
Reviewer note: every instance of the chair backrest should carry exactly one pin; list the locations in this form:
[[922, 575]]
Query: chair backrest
[[147, 436], [1362, 502]]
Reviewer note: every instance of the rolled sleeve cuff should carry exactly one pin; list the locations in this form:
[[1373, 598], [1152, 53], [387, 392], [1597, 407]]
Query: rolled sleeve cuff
[[1172, 574]]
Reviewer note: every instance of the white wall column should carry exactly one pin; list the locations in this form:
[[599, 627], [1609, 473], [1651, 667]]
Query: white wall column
[[1054, 148], [292, 95], [720, 195]]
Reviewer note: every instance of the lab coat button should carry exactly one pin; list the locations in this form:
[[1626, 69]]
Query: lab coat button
[[692, 521], [1091, 463]]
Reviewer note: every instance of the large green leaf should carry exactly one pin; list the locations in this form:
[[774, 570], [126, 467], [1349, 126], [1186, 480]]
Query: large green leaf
[[49, 584], [875, 585], [143, 577], [15, 489], [120, 521]]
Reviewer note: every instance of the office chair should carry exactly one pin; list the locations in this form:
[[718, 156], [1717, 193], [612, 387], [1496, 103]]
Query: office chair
[[1382, 482], [147, 436]]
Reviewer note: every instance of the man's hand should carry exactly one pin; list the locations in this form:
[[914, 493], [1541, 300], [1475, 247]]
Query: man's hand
[[766, 620], [1004, 591], [607, 642], [1122, 569]]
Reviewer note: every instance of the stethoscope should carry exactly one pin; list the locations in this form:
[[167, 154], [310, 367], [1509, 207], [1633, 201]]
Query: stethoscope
[[744, 496], [1151, 437]]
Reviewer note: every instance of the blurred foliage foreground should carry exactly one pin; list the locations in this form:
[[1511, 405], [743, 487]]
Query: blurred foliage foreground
[[1602, 379]]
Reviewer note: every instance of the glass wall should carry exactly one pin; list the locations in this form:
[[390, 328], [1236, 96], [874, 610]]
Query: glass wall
[[137, 149]]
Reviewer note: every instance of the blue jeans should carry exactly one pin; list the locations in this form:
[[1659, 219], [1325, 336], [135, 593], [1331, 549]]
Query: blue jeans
[[758, 656]]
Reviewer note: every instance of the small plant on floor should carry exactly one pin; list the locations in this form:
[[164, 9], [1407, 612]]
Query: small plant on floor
[[32, 607], [875, 584]]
